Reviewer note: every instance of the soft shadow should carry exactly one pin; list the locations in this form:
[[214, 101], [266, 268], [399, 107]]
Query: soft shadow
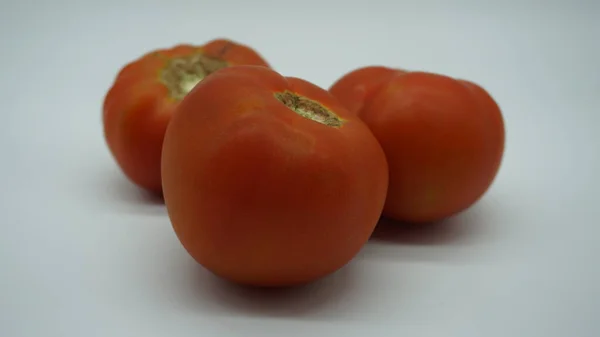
[[453, 230], [179, 282], [123, 190], [168, 277], [110, 186], [318, 300], [460, 238]]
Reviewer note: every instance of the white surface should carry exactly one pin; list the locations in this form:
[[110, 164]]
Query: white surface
[[84, 253]]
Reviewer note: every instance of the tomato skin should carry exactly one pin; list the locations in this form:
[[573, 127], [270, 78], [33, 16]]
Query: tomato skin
[[443, 139], [258, 194], [359, 86], [138, 106]]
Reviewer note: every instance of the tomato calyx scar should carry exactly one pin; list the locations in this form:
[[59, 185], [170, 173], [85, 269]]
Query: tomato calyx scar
[[309, 109], [181, 74]]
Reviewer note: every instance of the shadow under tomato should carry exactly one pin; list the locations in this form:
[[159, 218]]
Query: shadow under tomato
[[317, 300], [457, 238], [448, 231], [110, 186], [169, 277]]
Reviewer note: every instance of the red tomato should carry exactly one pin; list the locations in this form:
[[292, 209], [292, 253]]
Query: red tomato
[[268, 180], [138, 106], [443, 138]]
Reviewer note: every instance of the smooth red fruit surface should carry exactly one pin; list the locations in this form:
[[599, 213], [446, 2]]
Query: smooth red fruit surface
[[268, 180], [138, 106], [358, 87], [443, 138]]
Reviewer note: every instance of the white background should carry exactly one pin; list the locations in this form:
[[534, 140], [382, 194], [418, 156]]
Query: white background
[[85, 253]]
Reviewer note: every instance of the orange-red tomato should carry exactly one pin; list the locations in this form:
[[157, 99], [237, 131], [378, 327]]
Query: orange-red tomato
[[268, 180], [443, 137], [138, 106]]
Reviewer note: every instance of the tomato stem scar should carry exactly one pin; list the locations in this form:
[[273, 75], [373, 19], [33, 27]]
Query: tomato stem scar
[[180, 75], [309, 109]]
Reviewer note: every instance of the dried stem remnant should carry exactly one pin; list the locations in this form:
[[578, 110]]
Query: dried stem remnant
[[182, 74], [309, 109]]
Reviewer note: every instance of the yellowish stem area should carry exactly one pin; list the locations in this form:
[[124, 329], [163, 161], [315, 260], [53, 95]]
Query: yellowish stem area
[[309, 109], [182, 74]]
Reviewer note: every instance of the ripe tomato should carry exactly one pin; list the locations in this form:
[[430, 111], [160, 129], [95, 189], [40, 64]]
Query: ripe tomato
[[358, 87], [268, 180], [138, 106], [443, 138]]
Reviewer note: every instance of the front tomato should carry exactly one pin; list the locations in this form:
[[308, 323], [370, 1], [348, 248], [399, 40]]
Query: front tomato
[[268, 180], [138, 106]]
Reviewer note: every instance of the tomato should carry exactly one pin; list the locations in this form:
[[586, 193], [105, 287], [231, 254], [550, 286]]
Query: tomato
[[138, 106], [268, 180], [359, 86], [443, 138]]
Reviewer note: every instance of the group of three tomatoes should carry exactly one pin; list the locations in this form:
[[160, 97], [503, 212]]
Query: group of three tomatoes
[[273, 181]]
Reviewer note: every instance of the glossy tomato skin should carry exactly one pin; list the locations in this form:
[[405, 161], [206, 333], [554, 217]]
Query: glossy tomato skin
[[443, 139], [138, 107], [358, 87], [262, 196]]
